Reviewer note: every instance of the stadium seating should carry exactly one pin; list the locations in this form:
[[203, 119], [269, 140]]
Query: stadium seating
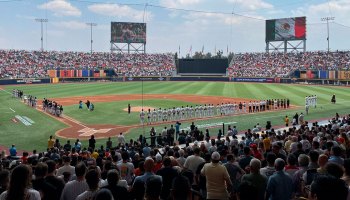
[[306, 154], [34, 64], [282, 65]]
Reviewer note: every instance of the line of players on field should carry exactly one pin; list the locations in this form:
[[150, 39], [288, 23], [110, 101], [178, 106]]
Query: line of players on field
[[200, 111], [311, 101], [52, 107], [27, 99]]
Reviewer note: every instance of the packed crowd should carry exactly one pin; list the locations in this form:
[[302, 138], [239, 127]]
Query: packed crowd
[[281, 65], [34, 64], [304, 163]]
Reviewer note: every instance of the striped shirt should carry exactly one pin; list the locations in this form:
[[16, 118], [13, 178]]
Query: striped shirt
[[87, 195], [73, 189]]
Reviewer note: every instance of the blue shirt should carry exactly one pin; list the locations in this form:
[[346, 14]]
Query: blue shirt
[[279, 186], [336, 159], [146, 151], [143, 178], [177, 127], [13, 151]]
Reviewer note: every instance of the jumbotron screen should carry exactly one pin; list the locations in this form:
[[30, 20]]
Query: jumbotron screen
[[125, 32], [286, 29]]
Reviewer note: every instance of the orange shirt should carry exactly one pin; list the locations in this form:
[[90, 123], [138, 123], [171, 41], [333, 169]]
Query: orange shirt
[[50, 143], [267, 143], [286, 120]]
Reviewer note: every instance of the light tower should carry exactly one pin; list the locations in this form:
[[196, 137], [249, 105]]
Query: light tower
[[327, 19], [42, 34], [91, 25]]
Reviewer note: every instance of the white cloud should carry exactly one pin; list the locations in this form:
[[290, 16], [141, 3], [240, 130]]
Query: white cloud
[[252, 5], [219, 18], [178, 3], [209, 18], [72, 25], [120, 11], [61, 8], [340, 9]]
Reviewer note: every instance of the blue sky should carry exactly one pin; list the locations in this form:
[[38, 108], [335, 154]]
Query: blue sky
[[167, 29]]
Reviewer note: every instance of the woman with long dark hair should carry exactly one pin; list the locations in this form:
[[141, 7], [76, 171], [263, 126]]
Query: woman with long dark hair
[[18, 188]]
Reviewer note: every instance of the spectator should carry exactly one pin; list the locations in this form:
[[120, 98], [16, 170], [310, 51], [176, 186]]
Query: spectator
[[118, 192], [153, 188], [148, 166], [327, 187], [235, 173], [126, 168], [269, 170], [192, 162], [247, 191], [291, 168], [303, 161], [279, 184], [4, 180], [217, 177], [40, 184], [181, 188], [336, 156], [66, 167], [92, 180], [74, 188], [18, 187], [245, 160], [168, 174], [255, 179], [103, 194], [56, 183]]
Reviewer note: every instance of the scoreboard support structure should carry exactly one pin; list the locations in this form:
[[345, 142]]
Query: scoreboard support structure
[[286, 46], [128, 47]]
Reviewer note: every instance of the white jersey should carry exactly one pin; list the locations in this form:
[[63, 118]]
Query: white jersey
[[142, 114]]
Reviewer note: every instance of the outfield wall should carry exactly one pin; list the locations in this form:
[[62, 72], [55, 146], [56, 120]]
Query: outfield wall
[[24, 81], [186, 78]]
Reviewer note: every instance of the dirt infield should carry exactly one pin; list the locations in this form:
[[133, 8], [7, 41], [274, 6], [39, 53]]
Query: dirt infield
[[77, 129], [181, 97], [138, 109]]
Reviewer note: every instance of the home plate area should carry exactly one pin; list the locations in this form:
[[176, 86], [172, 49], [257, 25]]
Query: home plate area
[[91, 131]]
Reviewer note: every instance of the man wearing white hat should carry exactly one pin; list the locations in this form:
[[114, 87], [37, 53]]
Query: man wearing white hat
[[217, 177]]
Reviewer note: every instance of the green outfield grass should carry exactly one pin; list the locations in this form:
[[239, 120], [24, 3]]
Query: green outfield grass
[[35, 136], [113, 113]]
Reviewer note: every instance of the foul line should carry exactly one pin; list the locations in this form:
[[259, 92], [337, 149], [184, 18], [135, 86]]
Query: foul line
[[5, 91], [12, 110]]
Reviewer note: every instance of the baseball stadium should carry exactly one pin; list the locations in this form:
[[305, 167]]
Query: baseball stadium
[[208, 119]]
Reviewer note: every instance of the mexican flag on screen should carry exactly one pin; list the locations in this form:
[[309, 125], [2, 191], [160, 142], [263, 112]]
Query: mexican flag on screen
[[286, 29]]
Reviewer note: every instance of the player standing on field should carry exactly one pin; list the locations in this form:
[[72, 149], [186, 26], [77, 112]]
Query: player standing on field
[[142, 117]]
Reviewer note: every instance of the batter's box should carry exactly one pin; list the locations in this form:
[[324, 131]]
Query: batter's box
[[91, 131]]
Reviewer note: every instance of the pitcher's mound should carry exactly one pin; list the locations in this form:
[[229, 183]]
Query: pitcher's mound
[[139, 108]]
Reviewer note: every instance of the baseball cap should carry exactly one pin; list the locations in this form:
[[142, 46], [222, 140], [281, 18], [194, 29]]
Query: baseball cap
[[215, 156]]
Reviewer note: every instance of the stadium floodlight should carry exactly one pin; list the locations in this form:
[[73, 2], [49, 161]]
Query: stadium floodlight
[[327, 19], [91, 25], [42, 34]]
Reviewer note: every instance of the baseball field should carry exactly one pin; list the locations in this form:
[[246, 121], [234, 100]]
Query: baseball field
[[30, 128]]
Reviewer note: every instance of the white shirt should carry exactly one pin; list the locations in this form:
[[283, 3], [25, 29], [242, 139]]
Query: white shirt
[[66, 168], [73, 189], [31, 195], [86, 195], [121, 139]]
